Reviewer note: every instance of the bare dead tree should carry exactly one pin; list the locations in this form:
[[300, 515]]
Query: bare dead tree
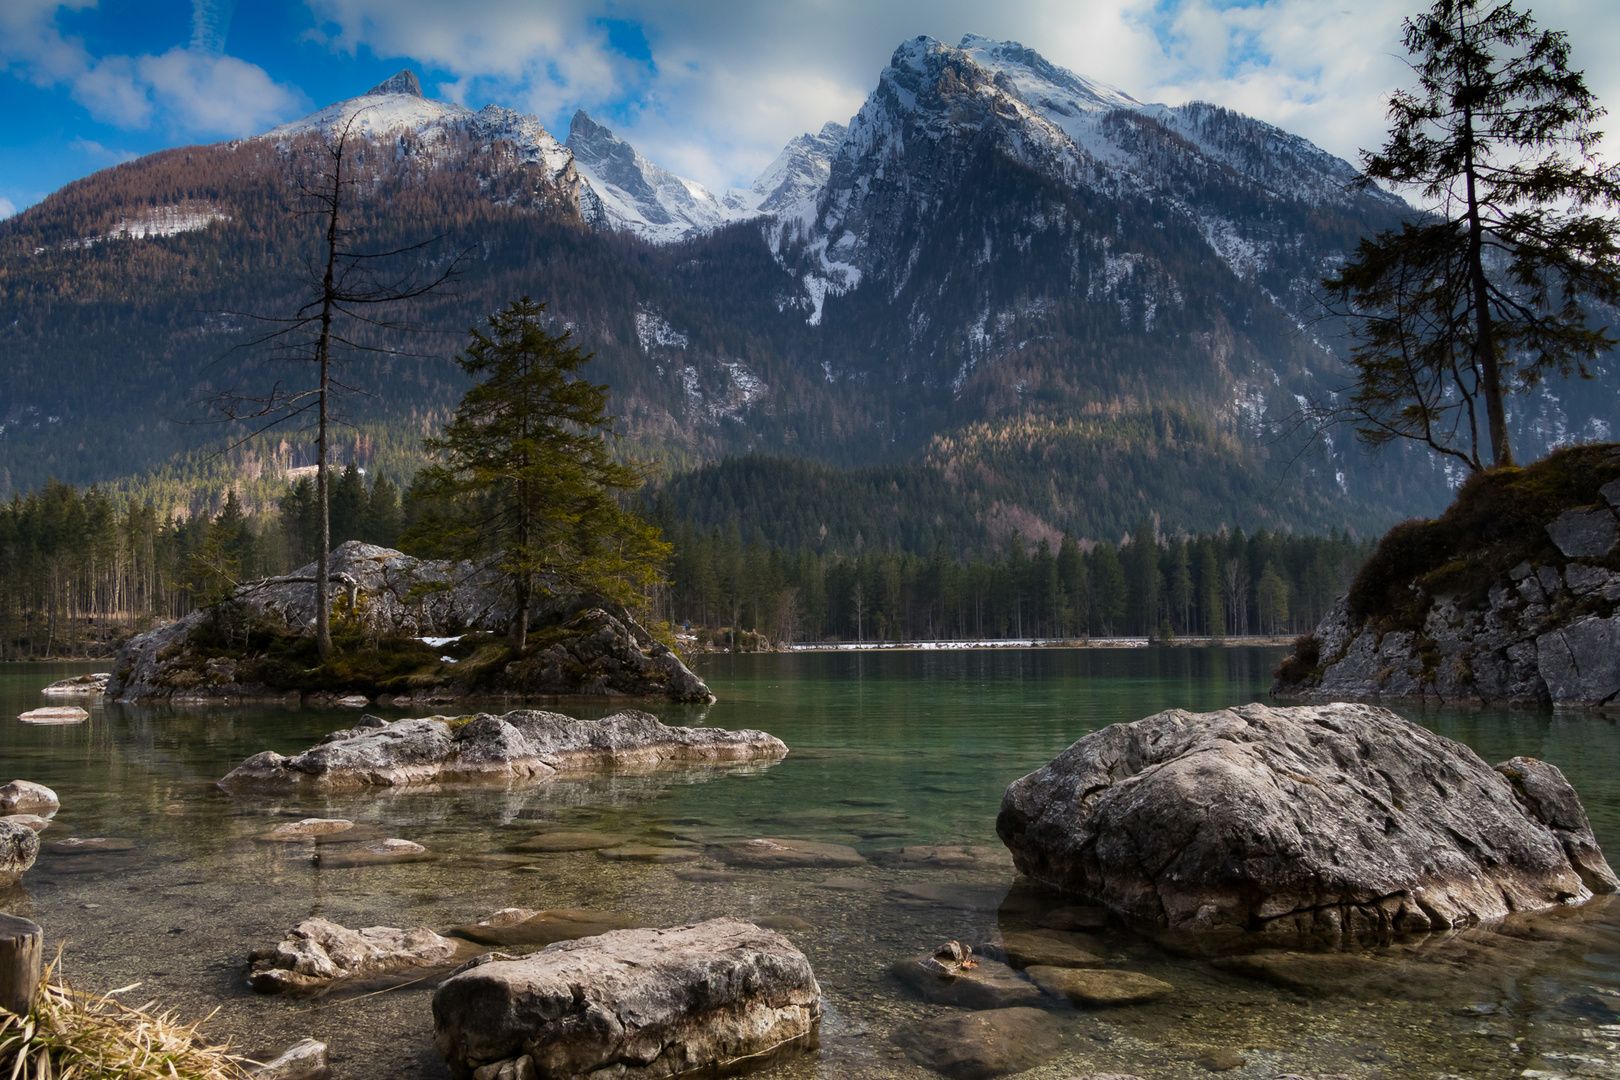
[[347, 292]]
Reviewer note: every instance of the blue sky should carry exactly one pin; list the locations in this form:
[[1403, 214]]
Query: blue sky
[[709, 88]]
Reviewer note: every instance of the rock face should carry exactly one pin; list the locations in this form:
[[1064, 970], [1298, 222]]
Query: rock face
[[77, 685], [389, 594], [631, 1003], [317, 953], [522, 746], [1316, 825], [19, 847], [1511, 596]]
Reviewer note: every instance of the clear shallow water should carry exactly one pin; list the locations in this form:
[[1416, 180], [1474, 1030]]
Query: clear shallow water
[[887, 750]]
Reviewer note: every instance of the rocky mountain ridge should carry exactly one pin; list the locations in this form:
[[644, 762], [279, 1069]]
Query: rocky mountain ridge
[[996, 259]]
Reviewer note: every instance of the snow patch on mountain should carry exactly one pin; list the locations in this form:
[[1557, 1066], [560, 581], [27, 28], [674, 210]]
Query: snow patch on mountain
[[654, 331]]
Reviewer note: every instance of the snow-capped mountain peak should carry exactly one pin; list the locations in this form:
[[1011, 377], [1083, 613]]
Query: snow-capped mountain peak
[[395, 106], [792, 182], [641, 197]]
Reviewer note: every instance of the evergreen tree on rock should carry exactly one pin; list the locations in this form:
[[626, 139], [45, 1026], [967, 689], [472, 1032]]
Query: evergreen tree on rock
[[1484, 295], [524, 473]]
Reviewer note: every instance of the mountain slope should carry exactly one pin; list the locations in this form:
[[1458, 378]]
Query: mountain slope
[[1080, 306]]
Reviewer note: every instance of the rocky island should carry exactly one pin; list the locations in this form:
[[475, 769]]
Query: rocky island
[[1510, 596], [409, 631]]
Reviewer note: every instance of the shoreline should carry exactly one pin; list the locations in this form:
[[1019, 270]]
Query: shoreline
[[969, 645]]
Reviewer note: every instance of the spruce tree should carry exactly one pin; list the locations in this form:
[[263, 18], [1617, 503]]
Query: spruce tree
[[1483, 295], [524, 473]]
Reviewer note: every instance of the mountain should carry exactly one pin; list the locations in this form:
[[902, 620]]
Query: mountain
[[1071, 308], [639, 197]]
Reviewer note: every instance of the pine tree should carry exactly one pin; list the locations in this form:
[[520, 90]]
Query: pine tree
[[525, 473], [348, 506], [1484, 296]]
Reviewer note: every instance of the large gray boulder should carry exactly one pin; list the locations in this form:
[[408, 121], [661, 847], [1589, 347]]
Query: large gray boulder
[[525, 746], [19, 847], [1314, 825], [631, 1003]]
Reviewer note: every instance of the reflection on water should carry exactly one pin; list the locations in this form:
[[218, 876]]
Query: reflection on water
[[888, 750]]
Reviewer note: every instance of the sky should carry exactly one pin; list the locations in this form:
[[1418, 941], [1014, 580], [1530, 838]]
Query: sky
[[711, 89]]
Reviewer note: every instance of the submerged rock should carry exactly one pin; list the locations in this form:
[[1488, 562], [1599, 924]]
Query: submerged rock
[[526, 926], [316, 954], [627, 1004], [1317, 825], [1099, 987], [987, 984], [976, 1046], [19, 847], [769, 853], [522, 746]]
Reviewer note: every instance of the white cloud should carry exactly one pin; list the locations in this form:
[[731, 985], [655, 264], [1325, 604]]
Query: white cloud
[[732, 80], [193, 92], [7, 207]]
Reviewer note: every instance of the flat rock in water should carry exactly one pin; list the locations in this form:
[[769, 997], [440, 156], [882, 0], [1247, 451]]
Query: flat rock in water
[[715, 877], [19, 847], [1099, 986], [944, 857], [572, 841], [1026, 949], [976, 1046], [27, 795], [770, 853], [847, 883], [953, 895], [307, 830], [651, 853], [629, 1004], [55, 714], [317, 953], [378, 853], [1316, 825], [1074, 918], [990, 985], [522, 746], [95, 683], [526, 926], [1363, 975], [781, 922], [91, 845]]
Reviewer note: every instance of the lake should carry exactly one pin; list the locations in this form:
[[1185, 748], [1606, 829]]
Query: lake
[[887, 750]]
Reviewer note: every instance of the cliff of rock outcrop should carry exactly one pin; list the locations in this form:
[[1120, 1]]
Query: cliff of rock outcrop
[[1511, 596], [408, 631]]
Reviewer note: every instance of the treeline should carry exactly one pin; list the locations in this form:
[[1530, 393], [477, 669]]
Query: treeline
[[77, 572], [1224, 584]]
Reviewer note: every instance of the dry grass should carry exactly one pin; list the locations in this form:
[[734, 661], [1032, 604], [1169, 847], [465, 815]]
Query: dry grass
[[69, 1035]]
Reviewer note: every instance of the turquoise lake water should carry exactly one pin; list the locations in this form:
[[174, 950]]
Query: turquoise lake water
[[887, 750]]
